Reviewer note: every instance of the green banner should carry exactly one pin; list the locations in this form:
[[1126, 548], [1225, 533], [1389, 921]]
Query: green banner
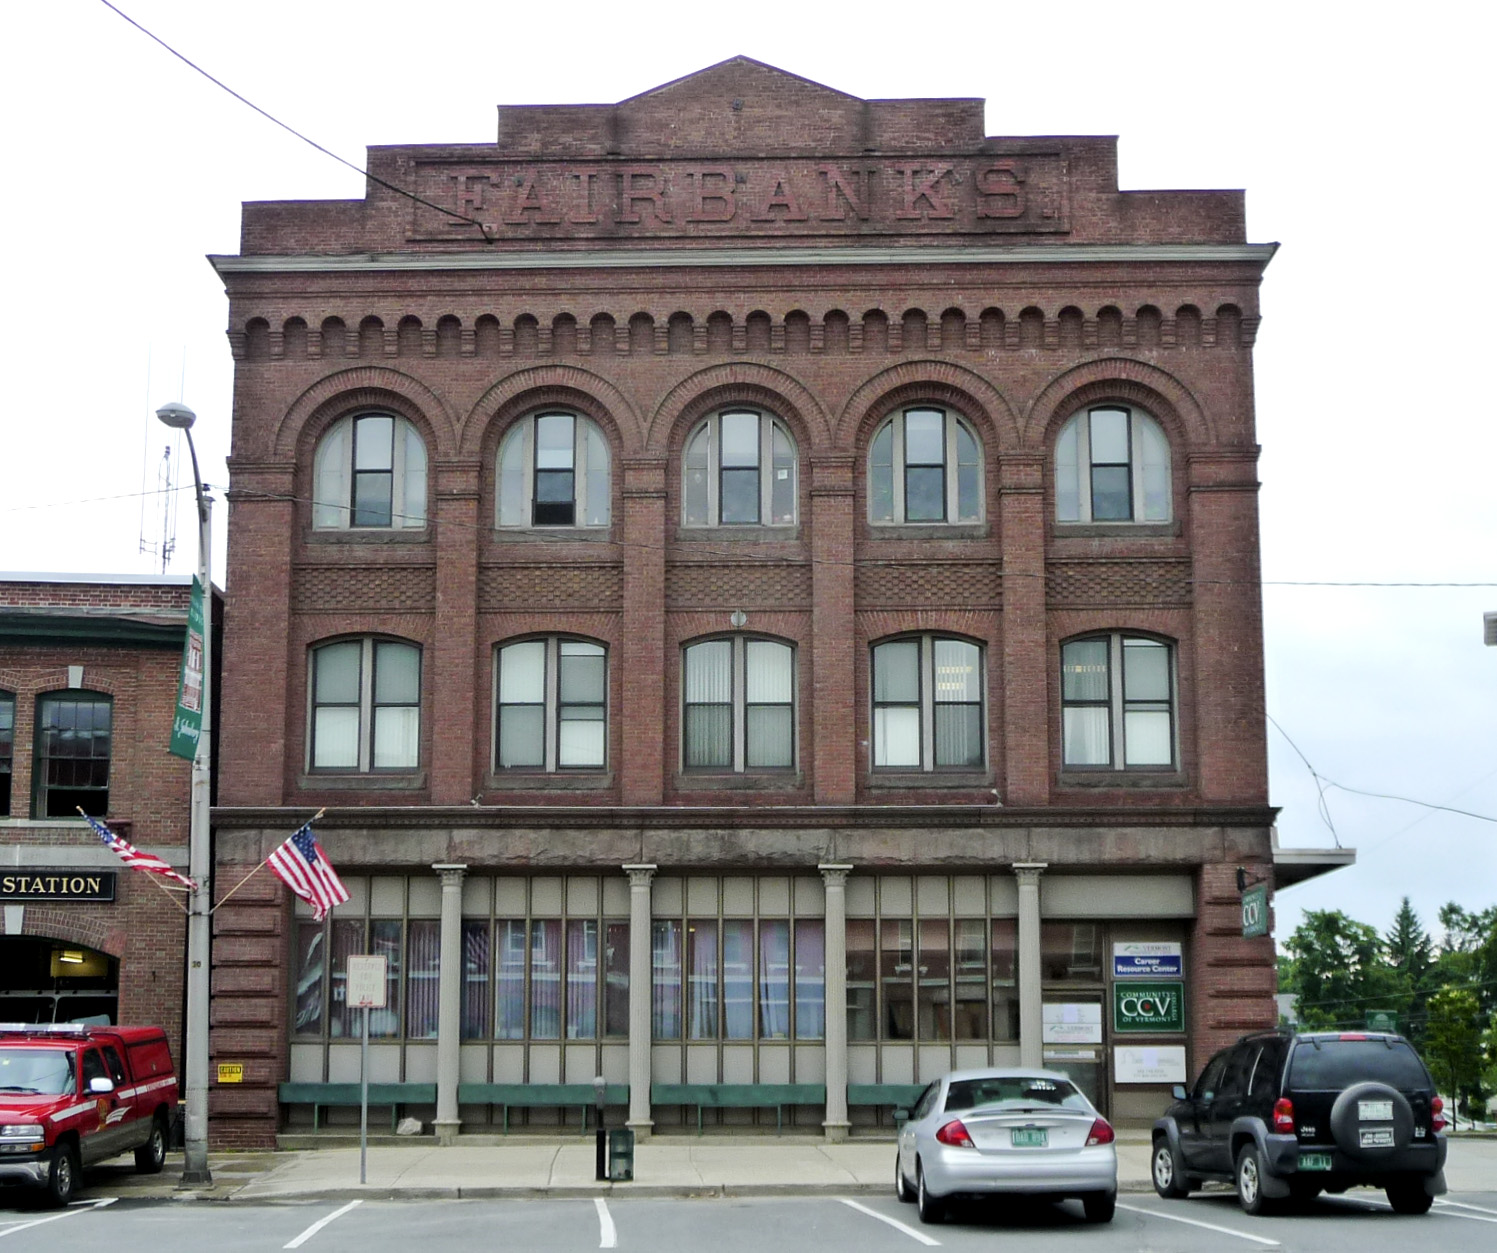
[[1255, 911], [1138, 1006], [188, 724]]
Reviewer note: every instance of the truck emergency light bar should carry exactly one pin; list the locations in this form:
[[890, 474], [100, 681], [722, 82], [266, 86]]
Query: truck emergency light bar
[[43, 1028]]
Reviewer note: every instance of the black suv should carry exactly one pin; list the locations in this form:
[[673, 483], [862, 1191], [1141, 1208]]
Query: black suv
[[1290, 1116]]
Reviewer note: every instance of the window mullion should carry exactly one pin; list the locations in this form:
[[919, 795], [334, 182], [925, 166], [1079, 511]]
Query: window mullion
[[1135, 469], [1115, 698], [551, 693], [949, 473], [740, 714], [766, 470], [714, 468], [925, 679], [366, 706], [896, 456], [1084, 467]]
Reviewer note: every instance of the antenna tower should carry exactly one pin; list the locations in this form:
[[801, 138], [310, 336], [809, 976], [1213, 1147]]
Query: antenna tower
[[161, 542]]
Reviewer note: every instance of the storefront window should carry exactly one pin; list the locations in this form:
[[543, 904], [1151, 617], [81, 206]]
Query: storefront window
[[423, 981], [738, 979], [1071, 952], [665, 1016], [509, 1000], [545, 979], [862, 966], [475, 1009], [896, 964], [810, 979], [1005, 979], [582, 978], [701, 959], [970, 950], [933, 980], [616, 980], [774, 980], [311, 950]]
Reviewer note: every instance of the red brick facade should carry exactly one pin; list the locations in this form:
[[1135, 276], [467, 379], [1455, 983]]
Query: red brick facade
[[122, 640], [743, 237]]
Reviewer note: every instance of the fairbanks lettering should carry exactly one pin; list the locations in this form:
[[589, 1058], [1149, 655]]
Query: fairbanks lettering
[[984, 195], [58, 885]]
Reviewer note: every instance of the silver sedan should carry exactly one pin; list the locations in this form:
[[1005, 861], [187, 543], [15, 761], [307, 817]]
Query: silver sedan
[[1006, 1132]]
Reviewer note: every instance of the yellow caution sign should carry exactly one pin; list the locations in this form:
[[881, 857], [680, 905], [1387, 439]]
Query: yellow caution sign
[[231, 1072]]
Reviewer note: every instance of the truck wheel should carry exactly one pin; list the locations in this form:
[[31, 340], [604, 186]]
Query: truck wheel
[[1250, 1181], [1409, 1198], [62, 1175], [151, 1156], [1169, 1172]]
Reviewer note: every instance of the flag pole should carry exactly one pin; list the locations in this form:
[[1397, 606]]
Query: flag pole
[[180, 905], [262, 864]]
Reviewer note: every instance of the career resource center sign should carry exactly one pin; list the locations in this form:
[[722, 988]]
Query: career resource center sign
[[1144, 960], [1138, 1007]]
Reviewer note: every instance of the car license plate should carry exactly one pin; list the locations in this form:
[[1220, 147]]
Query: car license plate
[[1375, 1111], [1315, 1161], [1030, 1137], [1377, 1138]]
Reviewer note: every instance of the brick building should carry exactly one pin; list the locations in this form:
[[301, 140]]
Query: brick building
[[89, 668], [765, 585]]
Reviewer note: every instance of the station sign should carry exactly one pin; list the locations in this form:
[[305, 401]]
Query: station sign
[[1147, 960], [57, 885]]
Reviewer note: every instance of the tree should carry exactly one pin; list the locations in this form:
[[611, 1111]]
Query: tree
[[1339, 971], [1411, 952], [1452, 1041]]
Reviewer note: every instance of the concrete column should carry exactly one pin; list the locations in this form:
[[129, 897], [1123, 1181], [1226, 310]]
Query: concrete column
[[1031, 1003], [449, 1001], [640, 982], [837, 1124]]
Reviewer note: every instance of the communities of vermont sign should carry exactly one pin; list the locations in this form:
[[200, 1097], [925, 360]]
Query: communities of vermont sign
[[1138, 1007]]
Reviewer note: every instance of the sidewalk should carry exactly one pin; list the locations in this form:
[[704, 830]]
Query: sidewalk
[[666, 1165]]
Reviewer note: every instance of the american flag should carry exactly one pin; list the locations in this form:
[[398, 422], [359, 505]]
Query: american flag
[[303, 867], [133, 857]]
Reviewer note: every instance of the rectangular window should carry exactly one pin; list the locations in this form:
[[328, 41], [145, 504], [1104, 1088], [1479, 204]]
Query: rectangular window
[[665, 998], [311, 973], [423, 978], [74, 739], [616, 981], [1117, 703], [476, 983], [701, 961], [366, 706], [969, 1019], [555, 471], [927, 705], [896, 971], [862, 969], [933, 981], [509, 979], [774, 979], [1005, 979], [810, 979], [373, 471], [582, 978], [709, 705], [385, 941], [545, 979], [348, 941], [738, 979]]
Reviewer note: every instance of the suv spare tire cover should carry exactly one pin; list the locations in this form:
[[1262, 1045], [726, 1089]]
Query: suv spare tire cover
[[1347, 1123]]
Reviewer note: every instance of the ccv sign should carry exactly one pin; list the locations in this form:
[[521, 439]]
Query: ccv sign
[[1144, 1007]]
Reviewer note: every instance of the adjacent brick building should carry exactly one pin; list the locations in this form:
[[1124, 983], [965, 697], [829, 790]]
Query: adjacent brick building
[[765, 586], [89, 671]]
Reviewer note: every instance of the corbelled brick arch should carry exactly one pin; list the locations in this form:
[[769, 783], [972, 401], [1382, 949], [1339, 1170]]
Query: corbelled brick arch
[[1121, 379], [741, 382], [366, 386], [937, 382], [591, 394], [42, 923]]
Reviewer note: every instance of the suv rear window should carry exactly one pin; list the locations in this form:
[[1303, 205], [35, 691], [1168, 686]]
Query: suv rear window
[[1329, 1064]]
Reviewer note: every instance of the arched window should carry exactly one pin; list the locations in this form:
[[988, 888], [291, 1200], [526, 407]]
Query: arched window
[[1117, 703], [551, 711], [74, 742], [7, 748], [927, 704], [370, 471], [739, 470], [366, 706], [553, 471], [1112, 464], [924, 465], [738, 704]]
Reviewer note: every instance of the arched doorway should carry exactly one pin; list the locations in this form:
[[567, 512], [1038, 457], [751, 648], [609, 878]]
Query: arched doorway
[[47, 980]]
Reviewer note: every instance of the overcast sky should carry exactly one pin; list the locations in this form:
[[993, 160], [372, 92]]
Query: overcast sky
[[1362, 139]]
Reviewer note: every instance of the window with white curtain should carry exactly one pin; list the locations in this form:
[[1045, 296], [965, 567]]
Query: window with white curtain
[[1112, 464], [369, 472], [924, 465], [739, 705], [551, 706], [366, 706], [553, 471], [1117, 703], [927, 704], [738, 469]]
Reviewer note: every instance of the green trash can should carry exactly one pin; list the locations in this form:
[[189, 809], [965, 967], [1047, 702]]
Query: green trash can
[[621, 1155]]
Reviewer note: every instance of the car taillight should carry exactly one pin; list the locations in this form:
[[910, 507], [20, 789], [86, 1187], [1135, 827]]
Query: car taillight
[[1101, 1133], [1283, 1116], [1437, 1114], [954, 1134]]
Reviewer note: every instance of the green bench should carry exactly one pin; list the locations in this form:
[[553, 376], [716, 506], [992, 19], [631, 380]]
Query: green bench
[[540, 1096], [321, 1096], [739, 1096], [896, 1095]]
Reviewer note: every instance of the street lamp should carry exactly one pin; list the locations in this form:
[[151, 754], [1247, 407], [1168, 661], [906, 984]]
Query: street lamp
[[195, 1172]]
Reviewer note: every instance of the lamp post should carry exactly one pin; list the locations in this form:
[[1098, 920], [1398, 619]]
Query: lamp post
[[195, 1172]]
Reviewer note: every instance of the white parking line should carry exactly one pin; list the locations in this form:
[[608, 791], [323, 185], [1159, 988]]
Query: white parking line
[[609, 1236], [1450, 1210], [78, 1207], [319, 1225], [893, 1222], [1194, 1222]]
